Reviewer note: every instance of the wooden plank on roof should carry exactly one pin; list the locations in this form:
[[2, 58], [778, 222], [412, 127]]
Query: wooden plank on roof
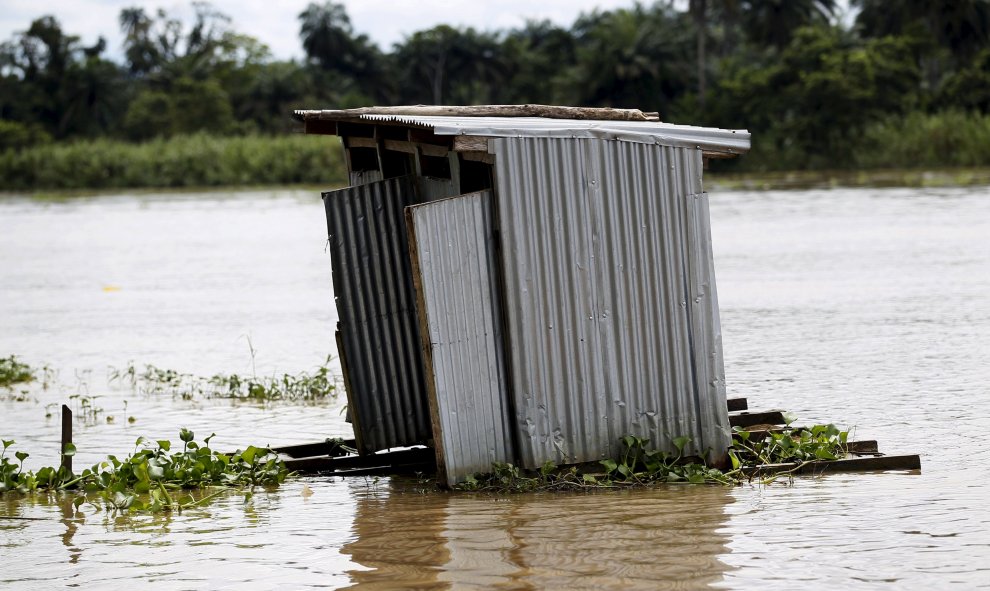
[[528, 110]]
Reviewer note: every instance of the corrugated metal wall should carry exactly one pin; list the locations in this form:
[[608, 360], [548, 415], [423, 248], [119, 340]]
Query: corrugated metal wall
[[373, 285], [611, 312], [460, 319]]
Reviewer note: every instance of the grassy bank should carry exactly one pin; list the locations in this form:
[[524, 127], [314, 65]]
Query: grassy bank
[[916, 141], [899, 151], [197, 160]]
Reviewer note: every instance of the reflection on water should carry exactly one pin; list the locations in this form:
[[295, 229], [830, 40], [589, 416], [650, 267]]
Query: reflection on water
[[870, 308], [665, 538]]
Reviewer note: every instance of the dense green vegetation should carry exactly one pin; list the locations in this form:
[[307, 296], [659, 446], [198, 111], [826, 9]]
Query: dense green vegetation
[[198, 160], [153, 478], [907, 84]]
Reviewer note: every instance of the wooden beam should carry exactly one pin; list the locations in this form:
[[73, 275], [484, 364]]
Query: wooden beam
[[319, 126], [737, 404], [716, 155], [748, 419], [426, 136], [861, 464], [355, 129], [360, 142], [479, 156], [433, 151], [420, 458], [329, 447], [470, 143], [400, 146]]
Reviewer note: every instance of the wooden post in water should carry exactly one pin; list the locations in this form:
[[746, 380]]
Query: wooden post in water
[[66, 437]]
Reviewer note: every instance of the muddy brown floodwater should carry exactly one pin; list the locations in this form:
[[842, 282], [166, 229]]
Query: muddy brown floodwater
[[869, 308]]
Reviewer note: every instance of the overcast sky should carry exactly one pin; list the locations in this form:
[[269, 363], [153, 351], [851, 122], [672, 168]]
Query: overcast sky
[[275, 23]]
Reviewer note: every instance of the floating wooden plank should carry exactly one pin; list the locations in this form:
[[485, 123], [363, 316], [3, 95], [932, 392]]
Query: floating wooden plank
[[328, 447], [421, 458], [867, 446], [855, 464], [737, 404], [748, 419]]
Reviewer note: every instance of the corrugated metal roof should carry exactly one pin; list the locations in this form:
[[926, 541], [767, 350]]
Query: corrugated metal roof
[[611, 312], [667, 134], [373, 286], [461, 324]]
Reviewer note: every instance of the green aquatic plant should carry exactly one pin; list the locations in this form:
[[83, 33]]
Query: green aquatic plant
[[636, 465], [790, 445], [13, 372], [153, 478], [304, 386], [786, 449]]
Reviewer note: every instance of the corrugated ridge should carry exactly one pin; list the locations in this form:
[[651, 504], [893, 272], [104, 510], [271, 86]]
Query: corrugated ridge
[[376, 306], [650, 132], [456, 251], [611, 316]]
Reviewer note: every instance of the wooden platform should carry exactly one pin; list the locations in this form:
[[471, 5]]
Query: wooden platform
[[336, 457]]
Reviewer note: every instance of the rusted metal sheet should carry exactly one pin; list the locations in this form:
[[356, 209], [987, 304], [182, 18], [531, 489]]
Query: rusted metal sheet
[[455, 270], [376, 305], [611, 312]]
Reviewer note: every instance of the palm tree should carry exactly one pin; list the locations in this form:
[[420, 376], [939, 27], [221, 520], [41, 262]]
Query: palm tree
[[326, 33], [632, 58], [535, 56], [139, 49], [961, 26], [772, 22], [429, 60]]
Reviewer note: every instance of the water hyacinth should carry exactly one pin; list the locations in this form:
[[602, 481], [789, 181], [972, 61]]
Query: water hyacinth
[[153, 478]]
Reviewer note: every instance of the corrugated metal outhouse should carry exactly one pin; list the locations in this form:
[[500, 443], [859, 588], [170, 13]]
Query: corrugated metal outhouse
[[524, 283]]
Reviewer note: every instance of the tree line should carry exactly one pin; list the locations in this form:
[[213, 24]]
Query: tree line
[[803, 82]]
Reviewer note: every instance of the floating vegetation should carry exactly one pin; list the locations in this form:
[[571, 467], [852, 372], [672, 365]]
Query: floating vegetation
[[151, 479], [820, 442], [639, 465], [13, 372], [304, 386]]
